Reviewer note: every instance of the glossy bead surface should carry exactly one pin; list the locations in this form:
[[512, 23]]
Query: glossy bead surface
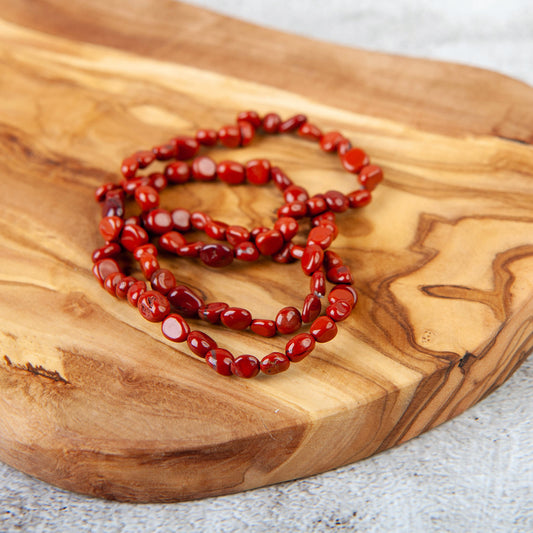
[[258, 171], [330, 141], [297, 251], [104, 268], [236, 318], [175, 328], [101, 191], [216, 230], [129, 187], [321, 236], [284, 256], [354, 160], [220, 361], [328, 216], [370, 176], [316, 205], [109, 250], [162, 280], [287, 226], [336, 201], [309, 131], [332, 259], [269, 242], [163, 152], [299, 347], [359, 198], [123, 287], [153, 306], [294, 210], [113, 204], [199, 220], [111, 228], [288, 320], [216, 255], [250, 116], [172, 241], [200, 343], [158, 221], [343, 293], [312, 259], [203, 168], [185, 301], [207, 137], [339, 274], [133, 236], [135, 291], [274, 363], [295, 193], [292, 123], [245, 366], [247, 132], [178, 172], [144, 158], [317, 285], [343, 147], [237, 234], [191, 249], [263, 327], [186, 147], [211, 312], [158, 181], [230, 136], [111, 282], [271, 123], [149, 264], [280, 179], [323, 329], [311, 308], [231, 172], [181, 218], [129, 167], [146, 197], [338, 311]]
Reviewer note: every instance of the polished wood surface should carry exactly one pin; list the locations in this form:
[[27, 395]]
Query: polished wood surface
[[94, 399]]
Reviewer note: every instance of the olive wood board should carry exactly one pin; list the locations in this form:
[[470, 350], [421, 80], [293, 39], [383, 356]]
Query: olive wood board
[[95, 400]]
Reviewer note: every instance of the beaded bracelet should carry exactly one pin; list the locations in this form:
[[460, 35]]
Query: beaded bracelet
[[171, 304]]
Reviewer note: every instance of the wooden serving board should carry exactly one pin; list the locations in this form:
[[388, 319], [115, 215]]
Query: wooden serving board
[[94, 399]]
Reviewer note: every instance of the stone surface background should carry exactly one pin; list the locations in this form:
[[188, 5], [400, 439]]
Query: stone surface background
[[474, 473]]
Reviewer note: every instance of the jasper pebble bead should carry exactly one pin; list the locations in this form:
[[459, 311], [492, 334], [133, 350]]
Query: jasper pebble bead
[[263, 327], [274, 363], [323, 329], [299, 346], [135, 291], [245, 366], [220, 360], [236, 318], [288, 320], [200, 343], [216, 255], [175, 328], [153, 306], [211, 312], [185, 301], [104, 268], [339, 311]]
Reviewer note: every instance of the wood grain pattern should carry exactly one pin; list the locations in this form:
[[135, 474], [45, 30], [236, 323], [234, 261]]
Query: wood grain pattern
[[93, 399]]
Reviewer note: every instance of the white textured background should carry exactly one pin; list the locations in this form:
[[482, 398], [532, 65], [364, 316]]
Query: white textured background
[[474, 473]]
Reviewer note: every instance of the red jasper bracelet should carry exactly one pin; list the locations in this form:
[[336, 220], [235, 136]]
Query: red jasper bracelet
[[171, 303]]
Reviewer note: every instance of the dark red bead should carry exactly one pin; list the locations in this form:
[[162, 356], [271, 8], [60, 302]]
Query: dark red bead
[[284, 255], [149, 264], [144, 158], [231, 172], [250, 116], [109, 250], [129, 187], [359, 198], [158, 181], [316, 205], [124, 286], [211, 312], [111, 228], [192, 249], [292, 124], [269, 242], [237, 234], [181, 219], [331, 259], [101, 192], [288, 320], [343, 293], [336, 201], [199, 220], [158, 221], [200, 343], [311, 308], [245, 366], [247, 132], [312, 259], [204, 169], [246, 251], [174, 328], [111, 282], [323, 329], [104, 268], [185, 301], [257, 231], [320, 235], [216, 255], [309, 131], [135, 291], [220, 361], [145, 248], [299, 346], [294, 210], [287, 226], [318, 283], [274, 363], [339, 311], [330, 141], [339, 274], [280, 179], [207, 137], [216, 230], [258, 171], [186, 147], [113, 204], [295, 193], [271, 123], [178, 172], [236, 318], [164, 151], [153, 306], [133, 236], [263, 327], [129, 167], [163, 280], [230, 136], [328, 216], [354, 160]]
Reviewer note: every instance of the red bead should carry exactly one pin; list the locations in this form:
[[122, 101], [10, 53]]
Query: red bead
[[247, 132], [185, 301], [111, 282], [163, 280], [280, 179], [104, 268], [207, 137], [220, 361], [316, 205], [354, 160], [331, 259], [181, 218], [284, 255], [344, 146], [292, 124], [129, 167], [246, 251], [269, 242], [211, 312], [318, 283], [287, 226], [216, 255], [158, 221], [199, 343], [204, 168], [110, 228], [135, 291], [134, 219], [312, 259], [342, 293], [236, 318], [330, 141], [295, 193], [237, 234], [147, 197], [101, 192], [274, 363], [174, 328], [309, 131], [144, 158], [339, 274], [199, 220], [294, 210], [123, 287], [258, 171], [250, 116], [271, 123], [113, 204], [297, 251], [311, 308], [245, 366], [133, 236], [328, 216], [288, 320], [230, 136], [145, 248], [263, 327], [186, 147], [148, 264], [339, 311], [216, 230], [164, 151], [331, 226], [323, 329], [231, 172], [320, 235], [299, 346], [109, 250], [153, 306], [370, 176], [359, 198], [336, 201], [129, 187], [158, 181], [257, 231], [178, 172], [192, 249]]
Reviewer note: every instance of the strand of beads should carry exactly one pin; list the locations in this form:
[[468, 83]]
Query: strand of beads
[[171, 304]]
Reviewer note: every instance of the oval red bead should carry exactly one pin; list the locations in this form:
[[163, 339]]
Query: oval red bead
[[247, 132], [312, 259], [216, 230], [317, 285], [336, 201], [258, 171], [175, 328], [144, 158], [111, 282], [153, 306], [330, 141], [323, 329], [311, 308], [145, 249], [309, 131], [178, 172], [292, 123], [109, 250], [321, 235], [354, 160], [295, 193], [181, 218], [250, 116], [231, 172], [199, 220], [186, 147], [185, 301], [246, 251], [343, 293], [294, 210], [359, 198], [207, 137], [340, 274], [370, 176], [245, 366], [230, 136], [274, 363], [135, 291], [263, 327], [158, 221], [204, 169], [339, 311], [200, 343], [216, 255], [123, 287], [111, 228], [149, 264], [192, 249], [271, 123], [237, 234], [281, 180], [158, 181], [287, 226], [269, 242], [172, 241], [288, 320], [331, 259], [316, 205], [129, 167], [104, 268], [236, 318], [299, 346], [133, 236], [163, 280], [211, 312], [147, 197], [220, 361]]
